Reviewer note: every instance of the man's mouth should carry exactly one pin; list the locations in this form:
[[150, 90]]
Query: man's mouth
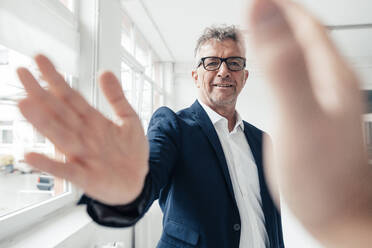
[[222, 85]]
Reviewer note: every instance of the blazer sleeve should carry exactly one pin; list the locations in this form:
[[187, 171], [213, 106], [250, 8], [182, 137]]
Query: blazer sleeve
[[164, 141]]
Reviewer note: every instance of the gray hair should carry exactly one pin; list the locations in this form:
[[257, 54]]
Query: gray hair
[[220, 33]]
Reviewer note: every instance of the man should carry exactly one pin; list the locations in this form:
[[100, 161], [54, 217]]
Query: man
[[205, 163]]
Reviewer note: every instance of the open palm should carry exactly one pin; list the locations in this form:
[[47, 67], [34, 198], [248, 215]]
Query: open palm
[[108, 161]]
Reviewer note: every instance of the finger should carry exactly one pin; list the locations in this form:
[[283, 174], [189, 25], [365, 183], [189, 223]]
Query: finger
[[110, 86], [282, 60], [271, 170], [50, 127], [69, 171], [64, 113], [61, 89], [324, 61]]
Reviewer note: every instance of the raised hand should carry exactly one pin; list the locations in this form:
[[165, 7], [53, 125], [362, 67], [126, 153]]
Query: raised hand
[[319, 161], [108, 161]]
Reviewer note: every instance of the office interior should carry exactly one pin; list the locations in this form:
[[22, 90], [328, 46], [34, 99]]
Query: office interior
[[149, 46]]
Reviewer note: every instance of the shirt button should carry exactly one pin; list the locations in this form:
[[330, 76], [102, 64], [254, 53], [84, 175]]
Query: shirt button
[[236, 227]]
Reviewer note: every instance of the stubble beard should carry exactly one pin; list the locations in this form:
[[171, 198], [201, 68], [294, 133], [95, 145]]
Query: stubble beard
[[221, 102]]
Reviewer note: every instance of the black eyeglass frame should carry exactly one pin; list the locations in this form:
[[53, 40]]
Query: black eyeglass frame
[[221, 61]]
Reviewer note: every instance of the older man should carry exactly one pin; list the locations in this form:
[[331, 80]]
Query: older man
[[205, 162]]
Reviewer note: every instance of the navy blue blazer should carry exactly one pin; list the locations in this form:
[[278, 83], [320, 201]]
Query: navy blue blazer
[[189, 175]]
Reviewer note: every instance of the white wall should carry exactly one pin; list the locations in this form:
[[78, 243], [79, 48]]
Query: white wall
[[184, 88]]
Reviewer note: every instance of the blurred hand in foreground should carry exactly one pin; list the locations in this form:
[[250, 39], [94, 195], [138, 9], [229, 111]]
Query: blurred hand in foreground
[[108, 161], [318, 158]]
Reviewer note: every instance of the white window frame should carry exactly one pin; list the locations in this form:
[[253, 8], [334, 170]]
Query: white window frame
[[129, 57], [12, 223]]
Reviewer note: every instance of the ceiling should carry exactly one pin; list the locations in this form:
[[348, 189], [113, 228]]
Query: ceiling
[[172, 26]]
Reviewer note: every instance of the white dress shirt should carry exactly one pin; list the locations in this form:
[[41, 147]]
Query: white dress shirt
[[244, 178]]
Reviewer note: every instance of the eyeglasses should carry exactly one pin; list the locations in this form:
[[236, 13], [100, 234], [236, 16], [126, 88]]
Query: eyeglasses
[[214, 63]]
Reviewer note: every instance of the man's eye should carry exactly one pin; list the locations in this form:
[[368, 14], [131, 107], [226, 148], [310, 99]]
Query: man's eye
[[234, 63], [214, 63]]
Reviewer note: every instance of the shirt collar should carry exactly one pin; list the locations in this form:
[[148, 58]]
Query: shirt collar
[[215, 117]]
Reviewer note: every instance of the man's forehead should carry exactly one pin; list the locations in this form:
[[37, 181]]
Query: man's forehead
[[228, 46]]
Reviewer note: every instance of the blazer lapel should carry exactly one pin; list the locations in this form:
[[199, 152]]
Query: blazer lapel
[[206, 125], [268, 207]]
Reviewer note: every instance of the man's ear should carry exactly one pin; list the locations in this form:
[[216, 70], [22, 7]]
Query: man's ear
[[246, 75], [195, 76]]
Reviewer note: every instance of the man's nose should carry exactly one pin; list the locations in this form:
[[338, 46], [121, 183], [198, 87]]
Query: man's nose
[[224, 71]]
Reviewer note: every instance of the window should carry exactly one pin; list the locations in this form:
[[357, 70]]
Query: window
[[127, 82], [157, 72], [4, 56], [138, 92], [21, 186], [146, 110], [6, 132], [158, 100], [7, 136], [141, 50], [126, 34], [39, 139], [140, 75], [49, 27]]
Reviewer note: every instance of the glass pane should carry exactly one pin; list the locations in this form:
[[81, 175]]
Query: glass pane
[[150, 68], [158, 74], [126, 81], [126, 39], [7, 136], [142, 57], [146, 109], [21, 185], [137, 92], [126, 42], [39, 139], [158, 100], [142, 50]]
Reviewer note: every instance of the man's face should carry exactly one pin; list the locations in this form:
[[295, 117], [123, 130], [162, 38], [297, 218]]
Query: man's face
[[219, 88]]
